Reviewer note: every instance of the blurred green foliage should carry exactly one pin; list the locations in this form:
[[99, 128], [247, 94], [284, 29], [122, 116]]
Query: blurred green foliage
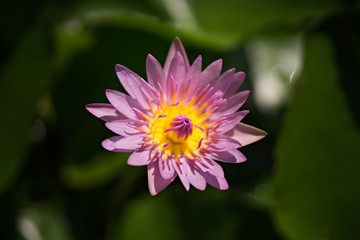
[[317, 169], [56, 182], [24, 78]]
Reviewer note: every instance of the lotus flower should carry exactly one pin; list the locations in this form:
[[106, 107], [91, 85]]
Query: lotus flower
[[180, 121]]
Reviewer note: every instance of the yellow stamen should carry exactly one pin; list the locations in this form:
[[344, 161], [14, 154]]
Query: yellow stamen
[[177, 145]]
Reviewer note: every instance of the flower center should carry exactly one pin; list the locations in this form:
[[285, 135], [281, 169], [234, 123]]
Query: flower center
[[177, 130], [181, 127]]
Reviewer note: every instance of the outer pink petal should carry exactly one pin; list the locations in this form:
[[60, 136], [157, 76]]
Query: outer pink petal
[[176, 45], [217, 182], [181, 172], [124, 127], [195, 177], [246, 134], [209, 165], [232, 104], [223, 82], [166, 169], [140, 158], [232, 156], [231, 121], [238, 79], [104, 111], [176, 71], [197, 180], [108, 143], [155, 72], [137, 87], [155, 181], [128, 144], [192, 77], [209, 74], [223, 143], [122, 102]]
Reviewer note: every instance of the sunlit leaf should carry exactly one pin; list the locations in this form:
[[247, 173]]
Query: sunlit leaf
[[317, 170]]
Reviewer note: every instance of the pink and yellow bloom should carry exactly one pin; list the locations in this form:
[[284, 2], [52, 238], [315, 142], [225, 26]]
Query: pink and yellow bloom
[[179, 121]]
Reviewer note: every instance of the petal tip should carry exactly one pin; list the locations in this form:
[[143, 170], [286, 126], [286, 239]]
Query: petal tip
[[149, 56], [177, 40], [152, 192], [88, 106], [108, 92], [117, 66], [242, 74], [106, 145], [247, 134]]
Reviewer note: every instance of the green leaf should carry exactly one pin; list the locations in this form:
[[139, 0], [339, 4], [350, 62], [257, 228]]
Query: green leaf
[[317, 170], [231, 21], [97, 171], [23, 81], [206, 23], [147, 218]]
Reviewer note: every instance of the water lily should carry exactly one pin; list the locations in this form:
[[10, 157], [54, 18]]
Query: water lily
[[180, 122]]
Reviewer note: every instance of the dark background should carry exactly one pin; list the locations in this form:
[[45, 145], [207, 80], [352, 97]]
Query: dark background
[[300, 182]]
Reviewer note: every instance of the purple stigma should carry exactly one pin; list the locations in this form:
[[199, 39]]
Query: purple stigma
[[207, 132], [199, 127], [175, 104], [182, 125], [200, 142]]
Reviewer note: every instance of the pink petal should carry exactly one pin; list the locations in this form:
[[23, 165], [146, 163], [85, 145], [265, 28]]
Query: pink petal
[[104, 111], [155, 72], [155, 181], [181, 172], [124, 127], [122, 102], [176, 45], [195, 177], [224, 143], [128, 144], [135, 85], [223, 82], [246, 134], [232, 104], [215, 181], [209, 165], [232, 156], [140, 158], [166, 169], [238, 79], [192, 77], [197, 180], [231, 121], [176, 75], [209, 74], [108, 143]]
